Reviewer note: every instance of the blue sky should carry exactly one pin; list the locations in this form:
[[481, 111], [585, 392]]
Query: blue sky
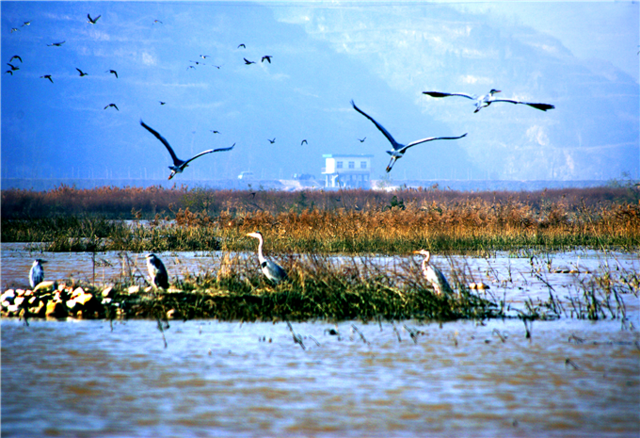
[[580, 56]]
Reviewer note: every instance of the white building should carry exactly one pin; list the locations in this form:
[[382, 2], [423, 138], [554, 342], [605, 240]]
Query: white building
[[344, 170]]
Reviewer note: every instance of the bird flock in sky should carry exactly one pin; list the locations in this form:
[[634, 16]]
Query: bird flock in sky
[[398, 149]]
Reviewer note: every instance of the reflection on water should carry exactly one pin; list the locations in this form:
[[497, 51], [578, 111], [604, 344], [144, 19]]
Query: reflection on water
[[85, 378]]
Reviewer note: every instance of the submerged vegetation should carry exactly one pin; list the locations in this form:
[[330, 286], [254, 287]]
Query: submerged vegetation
[[348, 221]]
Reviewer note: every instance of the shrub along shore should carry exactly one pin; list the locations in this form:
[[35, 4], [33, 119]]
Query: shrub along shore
[[314, 224]]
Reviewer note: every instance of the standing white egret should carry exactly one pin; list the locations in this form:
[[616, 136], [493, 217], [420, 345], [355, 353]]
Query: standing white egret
[[157, 271], [36, 274], [270, 269], [178, 164], [488, 99], [398, 148], [434, 275]]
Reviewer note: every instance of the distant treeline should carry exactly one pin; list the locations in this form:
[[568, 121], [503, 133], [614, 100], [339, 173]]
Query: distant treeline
[[153, 202]]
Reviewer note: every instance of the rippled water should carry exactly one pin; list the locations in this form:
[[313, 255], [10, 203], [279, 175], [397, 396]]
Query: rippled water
[[94, 379], [229, 379]]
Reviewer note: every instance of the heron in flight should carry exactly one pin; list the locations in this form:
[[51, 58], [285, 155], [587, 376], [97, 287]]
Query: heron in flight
[[93, 20], [36, 274], [398, 148], [178, 164], [433, 275], [488, 99], [270, 269], [157, 271]]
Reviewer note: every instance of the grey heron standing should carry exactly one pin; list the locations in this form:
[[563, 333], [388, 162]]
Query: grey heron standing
[[36, 274], [157, 271], [434, 275], [270, 269], [488, 99], [398, 148], [178, 164]]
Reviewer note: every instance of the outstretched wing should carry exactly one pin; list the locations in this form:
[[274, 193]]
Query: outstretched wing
[[540, 106], [224, 149], [440, 94], [176, 160], [424, 140], [386, 133]]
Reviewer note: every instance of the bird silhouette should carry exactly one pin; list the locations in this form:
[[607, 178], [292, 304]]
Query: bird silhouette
[[47, 77], [81, 72], [113, 72], [247, 62], [272, 141], [157, 21], [13, 67], [14, 29], [15, 57], [111, 105], [162, 103], [204, 56], [57, 44], [398, 148], [303, 142], [267, 57], [488, 99], [362, 139], [242, 45], [93, 20], [26, 23], [214, 131], [178, 164], [8, 71]]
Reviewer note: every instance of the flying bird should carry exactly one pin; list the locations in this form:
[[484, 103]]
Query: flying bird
[[362, 139], [488, 99], [26, 23], [57, 44], [242, 45], [433, 275], [270, 269], [113, 72], [214, 131], [178, 164], [157, 21], [204, 56], [272, 141], [267, 57], [398, 148], [8, 71], [47, 77], [247, 62], [15, 57], [13, 67], [81, 72], [303, 142], [157, 272], [111, 105], [161, 102], [36, 273], [93, 20], [14, 29]]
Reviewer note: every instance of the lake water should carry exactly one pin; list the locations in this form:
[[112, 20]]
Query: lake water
[[465, 378]]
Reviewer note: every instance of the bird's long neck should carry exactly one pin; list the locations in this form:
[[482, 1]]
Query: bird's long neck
[[260, 255], [425, 262]]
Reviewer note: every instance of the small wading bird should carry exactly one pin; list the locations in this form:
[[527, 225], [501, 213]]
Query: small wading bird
[[81, 72], [112, 105], [488, 99], [36, 274], [178, 164], [399, 149], [270, 269], [157, 272], [47, 77], [434, 275], [93, 20], [56, 44]]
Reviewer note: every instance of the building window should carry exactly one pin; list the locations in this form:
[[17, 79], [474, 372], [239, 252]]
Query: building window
[[352, 164], [338, 164], [363, 164]]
